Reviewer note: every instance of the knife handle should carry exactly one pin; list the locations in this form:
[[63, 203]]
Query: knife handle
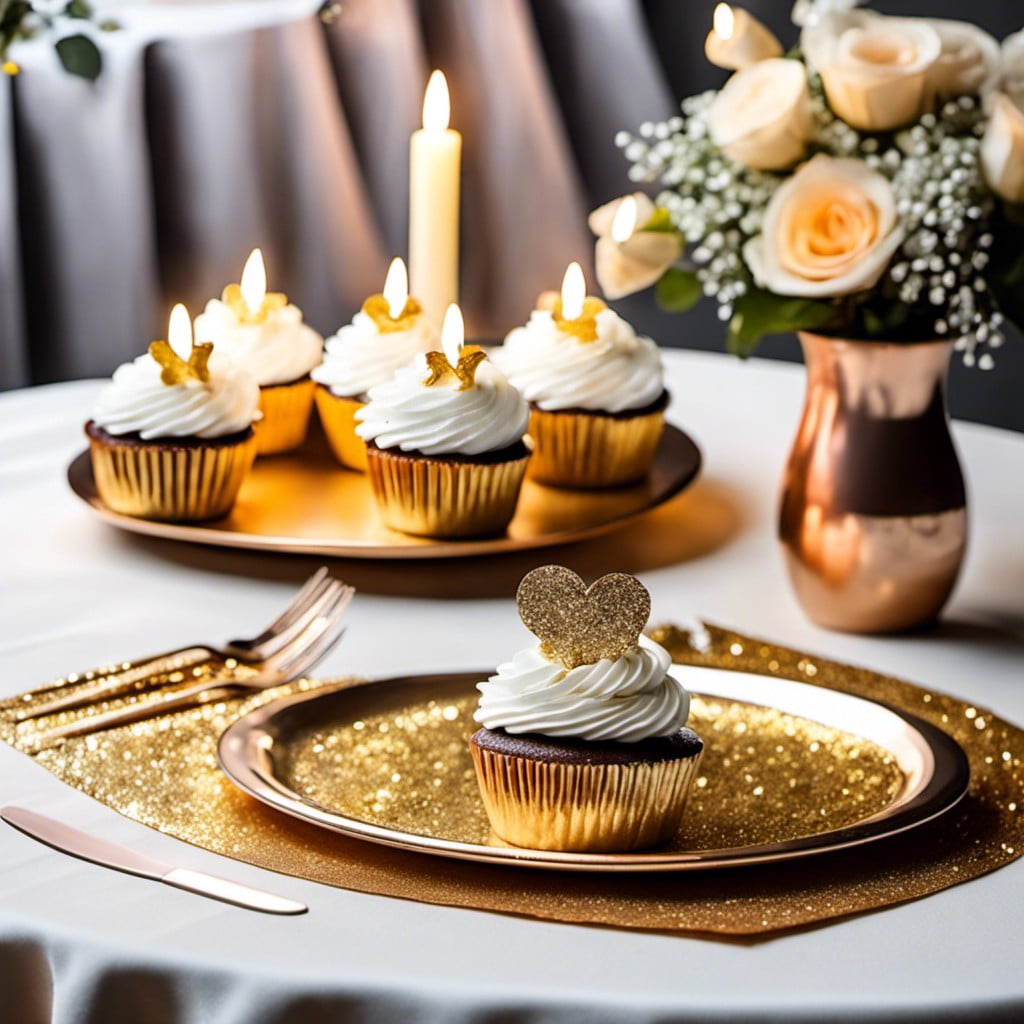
[[231, 892]]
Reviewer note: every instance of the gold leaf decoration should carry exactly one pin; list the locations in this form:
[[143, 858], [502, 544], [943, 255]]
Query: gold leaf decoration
[[232, 298], [377, 309], [580, 625], [176, 370], [584, 327], [470, 358]]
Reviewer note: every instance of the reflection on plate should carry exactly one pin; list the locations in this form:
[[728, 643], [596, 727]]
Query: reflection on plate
[[789, 770], [304, 502]]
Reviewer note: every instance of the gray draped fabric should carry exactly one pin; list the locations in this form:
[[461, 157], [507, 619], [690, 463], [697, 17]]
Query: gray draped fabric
[[218, 127]]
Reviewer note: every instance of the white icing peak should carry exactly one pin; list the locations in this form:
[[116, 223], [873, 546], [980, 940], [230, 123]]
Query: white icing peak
[[360, 356], [444, 418], [625, 700], [618, 371], [277, 350], [138, 401]]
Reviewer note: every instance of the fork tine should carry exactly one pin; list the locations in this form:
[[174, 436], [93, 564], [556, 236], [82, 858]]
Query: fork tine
[[298, 626], [322, 634], [311, 589]]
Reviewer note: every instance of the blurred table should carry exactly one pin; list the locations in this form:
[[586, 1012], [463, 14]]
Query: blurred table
[[78, 593]]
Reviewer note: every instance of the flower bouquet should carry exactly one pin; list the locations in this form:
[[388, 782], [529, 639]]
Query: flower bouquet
[[867, 185]]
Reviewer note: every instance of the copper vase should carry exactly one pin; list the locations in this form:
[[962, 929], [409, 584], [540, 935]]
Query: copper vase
[[873, 517]]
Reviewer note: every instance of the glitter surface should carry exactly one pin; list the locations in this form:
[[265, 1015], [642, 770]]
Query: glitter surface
[[164, 773]]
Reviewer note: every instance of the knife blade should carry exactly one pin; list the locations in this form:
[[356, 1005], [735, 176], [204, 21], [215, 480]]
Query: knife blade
[[112, 855]]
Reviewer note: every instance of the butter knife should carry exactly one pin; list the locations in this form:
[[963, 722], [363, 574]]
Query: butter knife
[[111, 855]]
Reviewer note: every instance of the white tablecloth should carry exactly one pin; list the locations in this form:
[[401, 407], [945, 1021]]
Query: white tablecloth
[[77, 593]]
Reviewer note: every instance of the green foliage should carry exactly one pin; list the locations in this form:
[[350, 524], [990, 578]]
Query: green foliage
[[758, 313], [79, 56], [678, 290], [78, 9], [660, 221]]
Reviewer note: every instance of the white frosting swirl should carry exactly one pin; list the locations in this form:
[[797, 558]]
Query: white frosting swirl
[[440, 419], [137, 401], [629, 699], [360, 356], [618, 371], [279, 350]]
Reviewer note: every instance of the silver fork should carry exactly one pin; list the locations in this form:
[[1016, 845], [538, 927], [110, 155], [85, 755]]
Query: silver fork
[[136, 677], [291, 659]]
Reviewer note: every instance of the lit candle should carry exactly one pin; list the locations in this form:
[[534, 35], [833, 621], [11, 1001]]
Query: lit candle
[[253, 284], [624, 221], [179, 331], [453, 333], [737, 39], [396, 288], [435, 153], [574, 291]]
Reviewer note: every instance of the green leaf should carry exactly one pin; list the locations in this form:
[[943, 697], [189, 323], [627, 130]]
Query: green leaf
[[78, 9], [678, 290], [758, 313], [660, 221], [80, 57]]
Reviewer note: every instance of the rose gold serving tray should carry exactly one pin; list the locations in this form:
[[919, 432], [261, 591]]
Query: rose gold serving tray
[[305, 503], [789, 770]]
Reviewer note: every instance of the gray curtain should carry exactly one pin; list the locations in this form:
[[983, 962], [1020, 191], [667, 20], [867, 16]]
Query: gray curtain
[[211, 132]]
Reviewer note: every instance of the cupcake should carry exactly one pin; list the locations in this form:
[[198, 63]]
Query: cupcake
[[173, 439], [584, 745], [265, 332], [444, 442], [596, 393], [387, 333]]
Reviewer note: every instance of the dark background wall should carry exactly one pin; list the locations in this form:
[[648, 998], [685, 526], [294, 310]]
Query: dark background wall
[[677, 30]]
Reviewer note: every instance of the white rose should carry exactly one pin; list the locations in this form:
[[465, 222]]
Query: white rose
[[762, 116], [738, 39], [828, 230], [626, 267], [1002, 150], [874, 69], [1012, 68], [968, 64]]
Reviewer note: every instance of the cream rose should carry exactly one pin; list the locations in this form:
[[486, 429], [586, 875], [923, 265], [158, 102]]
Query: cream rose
[[875, 69], [762, 116], [1011, 68], [628, 266], [738, 39], [968, 63], [828, 230], [1002, 150]]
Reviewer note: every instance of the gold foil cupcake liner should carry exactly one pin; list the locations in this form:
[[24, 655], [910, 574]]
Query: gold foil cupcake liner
[[286, 410], [154, 481], [579, 449], [595, 808], [338, 416], [438, 498]]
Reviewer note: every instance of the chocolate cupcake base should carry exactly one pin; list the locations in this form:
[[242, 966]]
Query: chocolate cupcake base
[[557, 794]]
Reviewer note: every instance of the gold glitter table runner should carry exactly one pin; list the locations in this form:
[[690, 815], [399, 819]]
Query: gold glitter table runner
[[164, 773]]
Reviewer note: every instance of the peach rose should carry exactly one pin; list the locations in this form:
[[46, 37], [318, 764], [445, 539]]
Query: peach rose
[[738, 39], [1002, 150], [1012, 68], [627, 266], [828, 230], [968, 63], [875, 69], [762, 116]]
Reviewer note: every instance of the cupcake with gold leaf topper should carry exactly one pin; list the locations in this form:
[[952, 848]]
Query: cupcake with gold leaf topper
[[263, 331], [172, 438], [445, 442], [584, 745], [595, 387], [386, 334]]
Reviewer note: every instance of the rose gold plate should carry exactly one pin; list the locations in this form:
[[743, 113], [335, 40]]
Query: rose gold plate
[[305, 503], [789, 770]]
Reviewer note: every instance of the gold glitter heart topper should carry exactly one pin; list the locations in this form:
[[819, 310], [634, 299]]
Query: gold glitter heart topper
[[583, 327], [378, 309], [580, 625]]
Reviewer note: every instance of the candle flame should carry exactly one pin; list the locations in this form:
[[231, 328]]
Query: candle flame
[[179, 331], [724, 22], [624, 221], [254, 281], [574, 291], [437, 104], [453, 333], [396, 288]]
